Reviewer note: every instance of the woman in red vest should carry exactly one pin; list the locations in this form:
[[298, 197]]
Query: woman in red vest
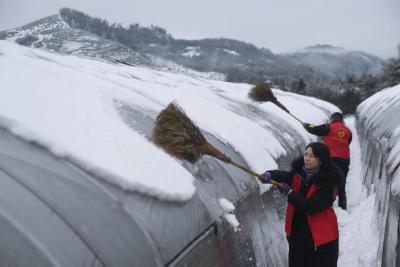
[[311, 224], [337, 136]]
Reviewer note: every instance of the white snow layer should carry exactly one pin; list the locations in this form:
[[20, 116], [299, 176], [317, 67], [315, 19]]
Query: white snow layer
[[231, 219], [226, 205], [66, 103], [229, 208], [381, 113]]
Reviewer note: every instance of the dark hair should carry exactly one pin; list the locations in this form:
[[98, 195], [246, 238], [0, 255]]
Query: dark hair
[[321, 151], [337, 116]]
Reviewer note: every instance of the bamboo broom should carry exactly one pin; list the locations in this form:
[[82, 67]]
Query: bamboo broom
[[180, 137], [262, 92]]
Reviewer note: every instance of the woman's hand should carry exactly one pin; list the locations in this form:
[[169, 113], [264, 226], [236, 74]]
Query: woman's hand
[[285, 189], [266, 177]]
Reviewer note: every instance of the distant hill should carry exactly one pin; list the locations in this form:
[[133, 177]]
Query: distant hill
[[338, 62], [73, 32], [55, 34]]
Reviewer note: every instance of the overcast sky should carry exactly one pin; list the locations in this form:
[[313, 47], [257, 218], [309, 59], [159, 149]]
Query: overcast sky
[[280, 25]]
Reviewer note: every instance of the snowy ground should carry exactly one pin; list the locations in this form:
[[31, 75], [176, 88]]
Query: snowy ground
[[358, 233]]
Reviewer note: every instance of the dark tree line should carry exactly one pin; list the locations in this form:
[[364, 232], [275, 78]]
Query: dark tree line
[[346, 93]]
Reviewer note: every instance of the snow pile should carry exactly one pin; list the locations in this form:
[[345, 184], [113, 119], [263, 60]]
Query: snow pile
[[226, 205], [67, 104], [380, 114], [231, 219], [229, 208]]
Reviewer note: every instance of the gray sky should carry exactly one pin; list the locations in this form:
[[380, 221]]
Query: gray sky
[[280, 25]]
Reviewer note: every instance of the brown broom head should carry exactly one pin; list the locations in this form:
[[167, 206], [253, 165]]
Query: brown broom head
[[180, 137], [262, 92]]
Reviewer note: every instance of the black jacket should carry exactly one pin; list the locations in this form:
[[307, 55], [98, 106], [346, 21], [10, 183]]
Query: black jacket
[[302, 251], [322, 198]]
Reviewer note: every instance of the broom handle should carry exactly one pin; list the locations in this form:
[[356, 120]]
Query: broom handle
[[295, 118], [211, 150], [279, 104], [260, 177]]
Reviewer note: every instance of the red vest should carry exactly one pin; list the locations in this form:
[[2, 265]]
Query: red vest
[[338, 140], [323, 225]]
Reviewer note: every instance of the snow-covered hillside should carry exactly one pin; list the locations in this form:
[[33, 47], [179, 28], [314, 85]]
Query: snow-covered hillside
[[54, 34]]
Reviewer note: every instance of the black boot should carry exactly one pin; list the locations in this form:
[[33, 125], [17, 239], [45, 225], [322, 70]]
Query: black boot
[[343, 204]]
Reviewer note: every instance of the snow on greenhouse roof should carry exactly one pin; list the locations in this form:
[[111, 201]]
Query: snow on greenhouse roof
[[67, 104], [381, 114]]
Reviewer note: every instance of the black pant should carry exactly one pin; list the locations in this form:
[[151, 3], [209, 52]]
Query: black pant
[[327, 255], [302, 253], [343, 165]]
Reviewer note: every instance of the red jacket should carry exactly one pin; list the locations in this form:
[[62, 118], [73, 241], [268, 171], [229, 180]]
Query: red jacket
[[324, 227], [338, 140]]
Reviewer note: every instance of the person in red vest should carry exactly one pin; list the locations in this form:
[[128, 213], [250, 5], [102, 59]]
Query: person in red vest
[[311, 224], [337, 136]]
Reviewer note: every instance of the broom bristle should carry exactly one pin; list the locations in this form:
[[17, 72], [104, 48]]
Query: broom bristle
[[178, 135], [262, 92]]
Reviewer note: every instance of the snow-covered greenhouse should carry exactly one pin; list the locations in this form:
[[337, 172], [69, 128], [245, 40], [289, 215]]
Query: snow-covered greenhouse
[[82, 184]]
